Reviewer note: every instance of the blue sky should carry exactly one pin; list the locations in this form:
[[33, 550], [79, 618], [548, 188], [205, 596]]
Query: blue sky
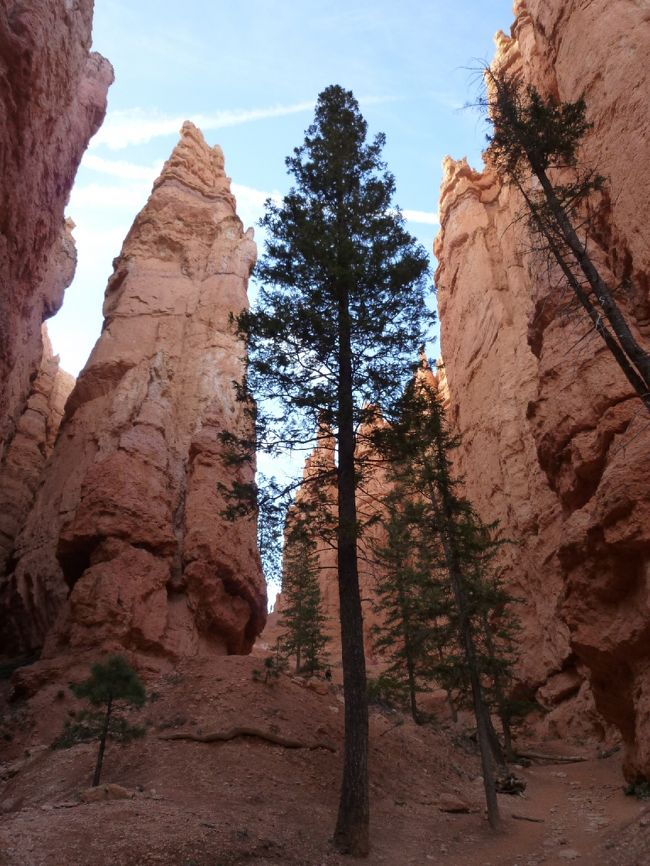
[[248, 74]]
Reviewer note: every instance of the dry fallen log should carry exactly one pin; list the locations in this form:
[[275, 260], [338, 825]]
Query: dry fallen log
[[233, 733], [527, 818], [552, 759]]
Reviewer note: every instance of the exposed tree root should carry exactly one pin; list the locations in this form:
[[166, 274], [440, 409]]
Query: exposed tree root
[[233, 733]]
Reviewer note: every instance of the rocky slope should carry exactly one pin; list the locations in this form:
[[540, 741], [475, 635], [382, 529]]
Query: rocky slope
[[52, 100], [555, 445], [125, 546], [252, 801]]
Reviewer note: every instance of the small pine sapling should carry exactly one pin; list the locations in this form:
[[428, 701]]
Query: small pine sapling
[[411, 599], [110, 689]]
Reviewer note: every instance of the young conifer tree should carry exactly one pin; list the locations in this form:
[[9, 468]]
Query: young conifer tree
[[412, 598], [495, 628], [302, 615], [418, 444], [110, 688], [340, 308]]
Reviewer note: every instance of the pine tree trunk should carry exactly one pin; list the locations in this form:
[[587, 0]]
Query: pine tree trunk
[[410, 667], [507, 737], [478, 702], [352, 828], [597, 319], [501, 756], [452, 708], [621, 357], [453, 561], [495, 745], [412, 692], [450, 700], [637, 356], [102, 744]]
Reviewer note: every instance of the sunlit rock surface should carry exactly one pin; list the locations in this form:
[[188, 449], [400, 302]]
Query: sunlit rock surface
[[126, 546], [555, 446]]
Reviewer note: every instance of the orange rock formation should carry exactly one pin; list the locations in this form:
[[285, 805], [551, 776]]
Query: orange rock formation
[[52, 100], [554, 444], [125, 546]]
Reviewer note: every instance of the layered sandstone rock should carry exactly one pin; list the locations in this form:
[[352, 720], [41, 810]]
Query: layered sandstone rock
[[126, 546], [52, 100], [554, 444], [22, 464]]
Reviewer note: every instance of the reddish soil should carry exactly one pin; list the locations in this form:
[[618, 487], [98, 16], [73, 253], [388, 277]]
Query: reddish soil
[[253, 802]]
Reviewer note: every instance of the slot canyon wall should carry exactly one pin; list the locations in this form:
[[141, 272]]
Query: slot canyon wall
[[52, 100], [125, 547], [30, 448], [555, 446]]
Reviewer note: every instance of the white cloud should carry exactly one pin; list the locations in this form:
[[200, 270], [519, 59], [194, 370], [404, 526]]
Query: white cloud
[[121, 168], [137, 126], [250, 201], [97, 196], [422, 216]]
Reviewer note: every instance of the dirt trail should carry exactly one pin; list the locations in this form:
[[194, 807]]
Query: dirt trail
[[256, 802]]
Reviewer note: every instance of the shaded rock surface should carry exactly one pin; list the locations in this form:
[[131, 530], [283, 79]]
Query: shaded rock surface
[[52, 100], [555, 446], [33, 442], [125, 546]]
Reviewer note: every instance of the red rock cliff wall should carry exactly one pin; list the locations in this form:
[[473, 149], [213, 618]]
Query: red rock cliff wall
[[52, 100], [23, 462], [555, 446], [125, 546]]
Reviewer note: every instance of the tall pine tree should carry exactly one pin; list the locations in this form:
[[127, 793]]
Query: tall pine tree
[[340, 309]]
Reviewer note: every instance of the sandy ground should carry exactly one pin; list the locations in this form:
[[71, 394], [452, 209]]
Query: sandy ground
[[249, 801]]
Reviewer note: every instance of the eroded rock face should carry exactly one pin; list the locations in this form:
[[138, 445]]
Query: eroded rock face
[[126, 546], [554, 444], [22, 464], [52, 100]]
